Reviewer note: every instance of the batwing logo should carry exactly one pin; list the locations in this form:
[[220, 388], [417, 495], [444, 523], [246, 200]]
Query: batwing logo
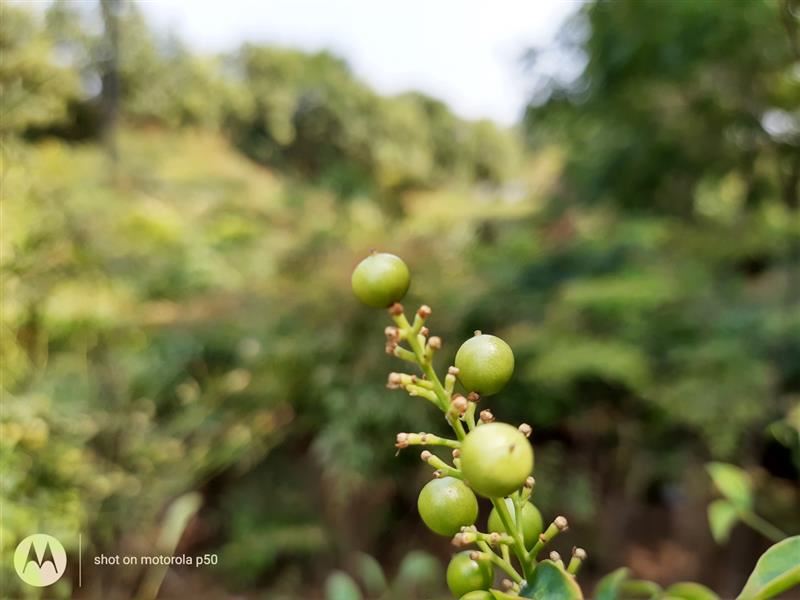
[[40, 560]]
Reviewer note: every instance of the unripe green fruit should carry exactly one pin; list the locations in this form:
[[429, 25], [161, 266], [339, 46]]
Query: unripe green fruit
[[380, 280], [446, 505], [496, 459], [477, 595], [465, 575], [485, 364], [532, 523]]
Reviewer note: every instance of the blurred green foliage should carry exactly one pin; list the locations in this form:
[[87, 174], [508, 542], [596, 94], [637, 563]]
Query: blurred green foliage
[[179, 319]]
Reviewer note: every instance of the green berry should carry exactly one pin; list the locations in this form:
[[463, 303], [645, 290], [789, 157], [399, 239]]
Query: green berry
[[485, 364], [380, 280], [465, 575], [531, 522], [446, 505], [496, 459]]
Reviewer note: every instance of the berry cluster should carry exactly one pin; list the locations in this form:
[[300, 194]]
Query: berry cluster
[[491, 459]]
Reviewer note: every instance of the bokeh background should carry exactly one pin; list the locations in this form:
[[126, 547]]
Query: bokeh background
[[185, 369]]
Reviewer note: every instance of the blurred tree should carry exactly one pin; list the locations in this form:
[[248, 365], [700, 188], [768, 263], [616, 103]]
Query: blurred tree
[[672, 95], [34, 90]]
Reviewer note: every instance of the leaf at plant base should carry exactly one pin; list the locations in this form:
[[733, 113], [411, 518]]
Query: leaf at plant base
[[340, 586], [608, 588], [690, 591], [722, 516], [733, 483], [776, 571], [551, 582], [370, 573]]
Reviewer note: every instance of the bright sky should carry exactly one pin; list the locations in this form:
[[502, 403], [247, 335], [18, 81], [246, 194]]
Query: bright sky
[[465, 52]]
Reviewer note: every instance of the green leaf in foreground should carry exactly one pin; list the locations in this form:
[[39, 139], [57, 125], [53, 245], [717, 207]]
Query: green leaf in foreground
[[690, 591], [551, 582], [733, 483], [371, 574], [776, 571], [608, 588], [340, 586], [722, 516], [418, 571]]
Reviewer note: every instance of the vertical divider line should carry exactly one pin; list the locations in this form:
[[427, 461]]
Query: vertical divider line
[[80, 560]]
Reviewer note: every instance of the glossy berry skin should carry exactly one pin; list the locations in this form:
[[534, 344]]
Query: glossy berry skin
[[531, 522], [496, 459], [446, 505], [380, 280], [485, 364], [465, 575], [477, 595]]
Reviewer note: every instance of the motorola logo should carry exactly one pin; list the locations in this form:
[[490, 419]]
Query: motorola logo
[[40, 560]]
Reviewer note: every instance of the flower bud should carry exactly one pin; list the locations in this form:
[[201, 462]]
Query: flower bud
[[435, 342], [452, 370], [474, 397], [402, 440], [424, 311], [579, 553], [561, 523], [459, 404], [555, 556], [396, 309], [426, 456], [425, 331], [526, 429], [487, 416]]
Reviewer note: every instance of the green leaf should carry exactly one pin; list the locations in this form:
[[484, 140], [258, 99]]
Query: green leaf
[[551, 582], [340, 586], [690, 591], [722, 516], [608, 588], [776, 571], [370, 573], [733, 483], [418, 570]]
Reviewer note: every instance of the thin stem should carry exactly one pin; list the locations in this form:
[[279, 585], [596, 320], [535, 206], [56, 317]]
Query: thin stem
[[425, 439], [415, 390], [517, 501], [470, 416], [762, 526], [502, 563], [508, 525], [438, 464]]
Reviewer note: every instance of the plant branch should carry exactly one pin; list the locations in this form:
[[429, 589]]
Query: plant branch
[[509, 526], [503, 563], [424, 363]]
